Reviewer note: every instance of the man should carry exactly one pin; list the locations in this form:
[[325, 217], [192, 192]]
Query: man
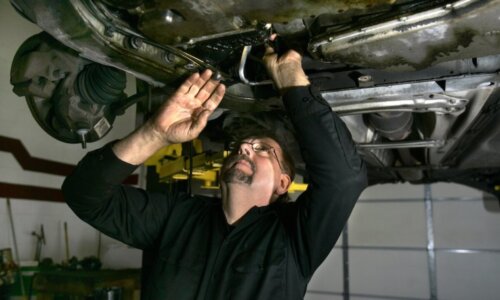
[[246, 245]]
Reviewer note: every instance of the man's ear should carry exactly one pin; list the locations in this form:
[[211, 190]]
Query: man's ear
[[284, 184]]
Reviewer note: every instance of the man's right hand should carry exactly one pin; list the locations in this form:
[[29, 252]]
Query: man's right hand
[[286, 70], [180, 119]]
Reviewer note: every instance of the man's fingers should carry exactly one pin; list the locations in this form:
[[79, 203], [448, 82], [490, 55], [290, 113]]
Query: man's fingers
[[207, 89], [215, 99], [186, 85], [269, 50], [270, 57], [209, 106], [199, 83], [194, 82]]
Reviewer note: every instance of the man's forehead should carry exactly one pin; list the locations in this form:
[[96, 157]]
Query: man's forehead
[[268, 140]]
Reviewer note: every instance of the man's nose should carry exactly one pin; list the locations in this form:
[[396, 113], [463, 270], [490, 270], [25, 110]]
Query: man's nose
[[245, 148]]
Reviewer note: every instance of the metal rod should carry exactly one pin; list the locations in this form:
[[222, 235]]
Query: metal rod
[[99, 241], [336, 41], [402, 145], [345, 261], [439, 104], [446, 250], [17, 259], [431, 255], [40, 240], [411, 200], [241, 69], [66, 240]]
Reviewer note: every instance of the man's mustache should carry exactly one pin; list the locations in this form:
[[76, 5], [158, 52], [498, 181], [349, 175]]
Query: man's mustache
[[233, 159]]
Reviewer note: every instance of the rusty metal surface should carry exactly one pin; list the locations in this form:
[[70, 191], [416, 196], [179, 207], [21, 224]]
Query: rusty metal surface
[[100, 37], [470, 29], [207, 17]]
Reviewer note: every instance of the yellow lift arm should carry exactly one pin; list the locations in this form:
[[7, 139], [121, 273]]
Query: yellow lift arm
[[171, 165]]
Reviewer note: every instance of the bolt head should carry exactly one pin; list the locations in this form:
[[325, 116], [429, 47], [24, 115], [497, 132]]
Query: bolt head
[[109, 31], [169, 57], [136, 42], [190, 66], [365, 78]]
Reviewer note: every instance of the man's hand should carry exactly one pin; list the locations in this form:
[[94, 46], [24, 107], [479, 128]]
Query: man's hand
[[286, 71], [180, 119]]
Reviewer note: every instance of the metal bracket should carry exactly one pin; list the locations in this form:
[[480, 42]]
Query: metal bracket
[[438, 103]]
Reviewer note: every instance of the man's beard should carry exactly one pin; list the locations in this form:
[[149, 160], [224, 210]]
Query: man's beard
[[235, 175]]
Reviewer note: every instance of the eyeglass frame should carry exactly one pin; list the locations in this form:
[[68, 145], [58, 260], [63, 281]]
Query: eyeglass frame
[[235, 145]]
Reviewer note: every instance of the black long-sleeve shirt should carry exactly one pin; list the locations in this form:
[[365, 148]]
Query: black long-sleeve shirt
[[271, 253]]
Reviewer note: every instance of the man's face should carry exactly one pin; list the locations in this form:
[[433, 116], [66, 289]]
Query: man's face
[[254, 162]]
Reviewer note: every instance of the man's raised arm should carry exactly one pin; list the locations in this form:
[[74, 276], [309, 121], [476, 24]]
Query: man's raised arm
[[337, 174], [94, 190], [180, 119]]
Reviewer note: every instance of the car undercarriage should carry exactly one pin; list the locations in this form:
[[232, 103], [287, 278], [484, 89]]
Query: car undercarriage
[[416, 82]]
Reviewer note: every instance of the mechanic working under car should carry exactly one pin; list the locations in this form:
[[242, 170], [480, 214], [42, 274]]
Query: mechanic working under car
[[250, 244]]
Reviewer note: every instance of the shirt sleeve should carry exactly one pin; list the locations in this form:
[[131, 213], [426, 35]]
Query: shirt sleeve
[[95, 193], [337, 176]]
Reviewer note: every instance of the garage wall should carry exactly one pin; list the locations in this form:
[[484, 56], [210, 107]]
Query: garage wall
[[16, 122], [388, 256]]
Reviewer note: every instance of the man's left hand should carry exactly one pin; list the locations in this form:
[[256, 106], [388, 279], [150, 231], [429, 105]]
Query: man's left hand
[[184, 115]]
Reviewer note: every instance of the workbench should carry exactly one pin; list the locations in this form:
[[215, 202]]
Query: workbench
[[80, 284]]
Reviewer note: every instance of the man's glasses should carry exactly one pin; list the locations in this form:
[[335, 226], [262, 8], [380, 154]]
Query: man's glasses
[[260, 148]]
